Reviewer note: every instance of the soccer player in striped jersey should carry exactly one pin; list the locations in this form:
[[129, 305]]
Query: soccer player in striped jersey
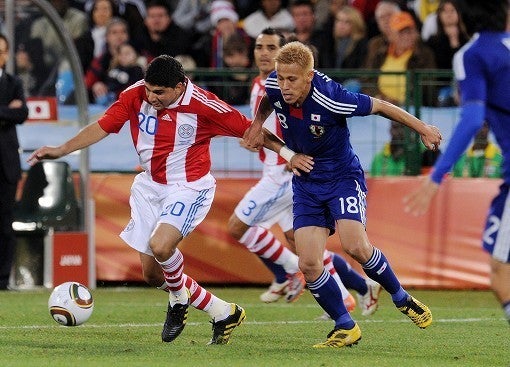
[[482, 70], [329, 185], [172, 122]]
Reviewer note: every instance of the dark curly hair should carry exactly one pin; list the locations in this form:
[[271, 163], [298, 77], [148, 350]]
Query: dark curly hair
[[165, 71]]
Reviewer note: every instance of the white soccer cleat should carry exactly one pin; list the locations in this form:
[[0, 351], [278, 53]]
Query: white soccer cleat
[[296, 286], [274, 292], [369, 301]]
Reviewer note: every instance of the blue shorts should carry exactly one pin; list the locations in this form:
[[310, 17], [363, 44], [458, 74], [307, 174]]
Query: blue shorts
[[496, 236], [322, 204]]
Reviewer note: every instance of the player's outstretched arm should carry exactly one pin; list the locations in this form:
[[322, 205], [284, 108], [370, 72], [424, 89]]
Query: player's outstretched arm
[[253, 137], [430, 135], [87, 136]]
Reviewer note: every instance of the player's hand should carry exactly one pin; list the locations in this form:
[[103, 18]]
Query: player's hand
[[253, 137], [242, 143], [418, 202], [432, 137], [301, 162], [16, 103], [45, 152]]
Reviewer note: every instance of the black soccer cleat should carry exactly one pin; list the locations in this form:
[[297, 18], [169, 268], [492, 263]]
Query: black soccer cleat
[[176, 318], [223, 329]]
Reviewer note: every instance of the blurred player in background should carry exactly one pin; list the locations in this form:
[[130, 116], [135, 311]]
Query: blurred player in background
[[329, 185], [172, 122], [482, 70]]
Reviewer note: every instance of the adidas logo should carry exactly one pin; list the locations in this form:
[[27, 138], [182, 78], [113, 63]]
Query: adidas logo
[[166, 117], [278, 104]]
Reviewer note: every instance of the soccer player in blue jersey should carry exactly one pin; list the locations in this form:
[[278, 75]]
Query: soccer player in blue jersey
[[482, 70], [329, 184]]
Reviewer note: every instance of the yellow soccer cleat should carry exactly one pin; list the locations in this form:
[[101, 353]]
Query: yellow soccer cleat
[[338, 338], [417, 312]]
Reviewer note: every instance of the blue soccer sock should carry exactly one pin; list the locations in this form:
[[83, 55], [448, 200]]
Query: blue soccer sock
[[506, 308], [279, 272], [350, 277], [379, 269], [328, 295]]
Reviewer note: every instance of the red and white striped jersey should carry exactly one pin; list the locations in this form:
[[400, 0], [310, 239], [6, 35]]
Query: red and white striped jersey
[[258, 90], [173, 144]]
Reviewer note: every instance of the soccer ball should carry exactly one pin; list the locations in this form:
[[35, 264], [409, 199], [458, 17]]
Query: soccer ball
[[71, 304]]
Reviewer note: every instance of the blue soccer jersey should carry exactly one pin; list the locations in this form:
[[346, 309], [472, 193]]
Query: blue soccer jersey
[[318, 127], [482, 69], [335, 188]]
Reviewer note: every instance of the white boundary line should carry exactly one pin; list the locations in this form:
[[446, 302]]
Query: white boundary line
[[99, 326]]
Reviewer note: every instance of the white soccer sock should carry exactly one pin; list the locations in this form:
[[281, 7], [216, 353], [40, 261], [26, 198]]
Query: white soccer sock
[[218, 309]]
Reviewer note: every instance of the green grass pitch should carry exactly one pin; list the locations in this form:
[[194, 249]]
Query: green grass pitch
[[124, 330]]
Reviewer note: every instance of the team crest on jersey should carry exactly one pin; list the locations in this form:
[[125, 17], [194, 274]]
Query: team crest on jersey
[[317, 130], [186, 131]]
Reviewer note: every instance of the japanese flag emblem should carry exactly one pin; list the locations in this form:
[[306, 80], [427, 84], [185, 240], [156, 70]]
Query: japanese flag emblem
[[315, 117]]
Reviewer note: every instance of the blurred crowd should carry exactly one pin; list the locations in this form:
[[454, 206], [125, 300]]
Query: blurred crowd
[[115, 40]]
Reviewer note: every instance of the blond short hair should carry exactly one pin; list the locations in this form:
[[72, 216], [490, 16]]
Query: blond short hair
[[296, 53]]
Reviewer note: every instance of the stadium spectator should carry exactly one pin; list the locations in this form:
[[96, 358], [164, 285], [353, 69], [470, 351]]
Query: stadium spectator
[[175, 191], [379, 43], [96, 76], [76, 24], [101, 13], [482, 159], [123, 72], [132, 11], [13, 111], [450, 37], [208, 50], [30, 68], [404, 52], [391, 160], [270, 15], [482, 70], [234, 87], [305, 31], [329, 188], [350, 39], [161, 35]]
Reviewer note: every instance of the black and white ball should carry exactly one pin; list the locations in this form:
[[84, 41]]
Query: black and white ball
[[71, 304]]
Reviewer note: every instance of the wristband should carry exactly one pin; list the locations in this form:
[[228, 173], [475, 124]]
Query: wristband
[[287, 153]]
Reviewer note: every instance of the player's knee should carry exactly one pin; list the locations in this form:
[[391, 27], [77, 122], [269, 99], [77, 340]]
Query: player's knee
[[161, 249], [359, 253], [311, 269]]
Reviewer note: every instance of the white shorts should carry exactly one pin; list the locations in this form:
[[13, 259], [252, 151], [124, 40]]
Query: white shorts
[[269, 201], [183, 205]]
